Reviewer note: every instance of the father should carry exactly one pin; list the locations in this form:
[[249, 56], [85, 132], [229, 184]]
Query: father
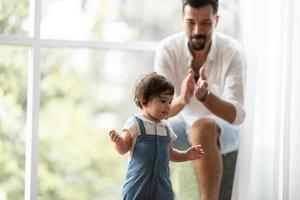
[[206, 68]]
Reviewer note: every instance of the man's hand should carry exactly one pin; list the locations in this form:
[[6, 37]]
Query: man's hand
[[201, 87], [195, 152], [187, 88]]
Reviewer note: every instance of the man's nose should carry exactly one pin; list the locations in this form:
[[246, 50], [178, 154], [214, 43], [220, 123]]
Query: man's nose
[[198, 29]]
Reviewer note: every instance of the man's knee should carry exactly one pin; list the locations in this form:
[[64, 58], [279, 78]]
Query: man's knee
[[204, 130]]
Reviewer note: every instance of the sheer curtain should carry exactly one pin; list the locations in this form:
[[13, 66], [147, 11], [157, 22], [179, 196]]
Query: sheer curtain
[[268, 166]]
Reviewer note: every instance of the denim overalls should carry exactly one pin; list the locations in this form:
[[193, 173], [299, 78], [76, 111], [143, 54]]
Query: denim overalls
[[148, 176]]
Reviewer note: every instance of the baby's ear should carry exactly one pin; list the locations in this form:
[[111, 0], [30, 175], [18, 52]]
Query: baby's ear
[[143, 101]]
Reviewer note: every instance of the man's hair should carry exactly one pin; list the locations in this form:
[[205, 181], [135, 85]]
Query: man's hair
[[151, 85], [201, 3]]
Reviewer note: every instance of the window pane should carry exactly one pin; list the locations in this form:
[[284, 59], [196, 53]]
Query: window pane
[[84, 94], [229, 22], [13, 82], [14, 17], [110, 20], [123, 20]]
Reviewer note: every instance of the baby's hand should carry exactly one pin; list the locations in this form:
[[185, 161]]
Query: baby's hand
[[195, 152], [115, 137]]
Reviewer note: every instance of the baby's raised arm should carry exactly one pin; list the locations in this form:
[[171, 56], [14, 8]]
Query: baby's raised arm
[[122, 143]]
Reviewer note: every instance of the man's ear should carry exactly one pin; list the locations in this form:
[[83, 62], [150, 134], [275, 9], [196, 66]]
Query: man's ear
[[217, 20]]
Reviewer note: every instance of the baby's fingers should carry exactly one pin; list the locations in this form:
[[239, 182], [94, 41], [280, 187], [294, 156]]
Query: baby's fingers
[[198, 151], [199, 148], [114, 136], [112, 132]]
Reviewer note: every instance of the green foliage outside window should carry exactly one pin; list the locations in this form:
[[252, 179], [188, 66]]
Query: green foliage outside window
[[13, 78]]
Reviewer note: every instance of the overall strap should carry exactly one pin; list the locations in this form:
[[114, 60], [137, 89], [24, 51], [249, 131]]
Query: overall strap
[[141, 125], [168, 132]]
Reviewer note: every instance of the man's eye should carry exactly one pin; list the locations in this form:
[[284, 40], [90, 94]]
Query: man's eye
[[190, 23], [163, 101], [206, 23]]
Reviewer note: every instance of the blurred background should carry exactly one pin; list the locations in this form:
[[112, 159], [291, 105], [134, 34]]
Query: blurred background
[[84, 91]]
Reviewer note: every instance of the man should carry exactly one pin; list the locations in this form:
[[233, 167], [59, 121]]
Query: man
[[206, 69]]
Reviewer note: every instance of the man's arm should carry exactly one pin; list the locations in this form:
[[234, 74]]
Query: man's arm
[[220, 108], [176, 106], [230, 109], [186, 93], [163, 64]]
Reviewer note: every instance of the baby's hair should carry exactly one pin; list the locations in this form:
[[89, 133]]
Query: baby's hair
[[151, 85]]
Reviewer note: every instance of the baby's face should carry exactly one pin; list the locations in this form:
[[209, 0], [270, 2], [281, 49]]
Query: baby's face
[[158, 107]]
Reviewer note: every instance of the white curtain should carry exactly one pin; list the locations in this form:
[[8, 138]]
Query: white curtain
[[268, 165]]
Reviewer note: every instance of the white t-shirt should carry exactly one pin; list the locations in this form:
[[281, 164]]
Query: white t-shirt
[[151, 128], [223, 68]]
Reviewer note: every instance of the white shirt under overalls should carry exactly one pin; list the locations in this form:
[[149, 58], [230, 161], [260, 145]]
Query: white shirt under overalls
[[150, 127]]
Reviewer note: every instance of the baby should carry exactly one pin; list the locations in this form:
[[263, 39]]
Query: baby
[[148, 137]]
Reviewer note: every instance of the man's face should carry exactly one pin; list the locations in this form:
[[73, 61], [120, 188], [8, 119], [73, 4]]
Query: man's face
[[199, 26]]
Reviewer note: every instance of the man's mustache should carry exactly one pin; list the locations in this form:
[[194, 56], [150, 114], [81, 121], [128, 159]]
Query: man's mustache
[[200, 36]]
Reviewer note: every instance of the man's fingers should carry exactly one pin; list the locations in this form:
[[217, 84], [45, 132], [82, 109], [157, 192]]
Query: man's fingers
[[190, 80], [202, 73], [190, 72], [190, 76], [190, 84]]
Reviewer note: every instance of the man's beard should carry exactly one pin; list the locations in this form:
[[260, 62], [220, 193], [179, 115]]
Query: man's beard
[[196, 45]]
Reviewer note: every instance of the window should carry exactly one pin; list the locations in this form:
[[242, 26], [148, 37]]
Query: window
[[67, 71], [84, 94]]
